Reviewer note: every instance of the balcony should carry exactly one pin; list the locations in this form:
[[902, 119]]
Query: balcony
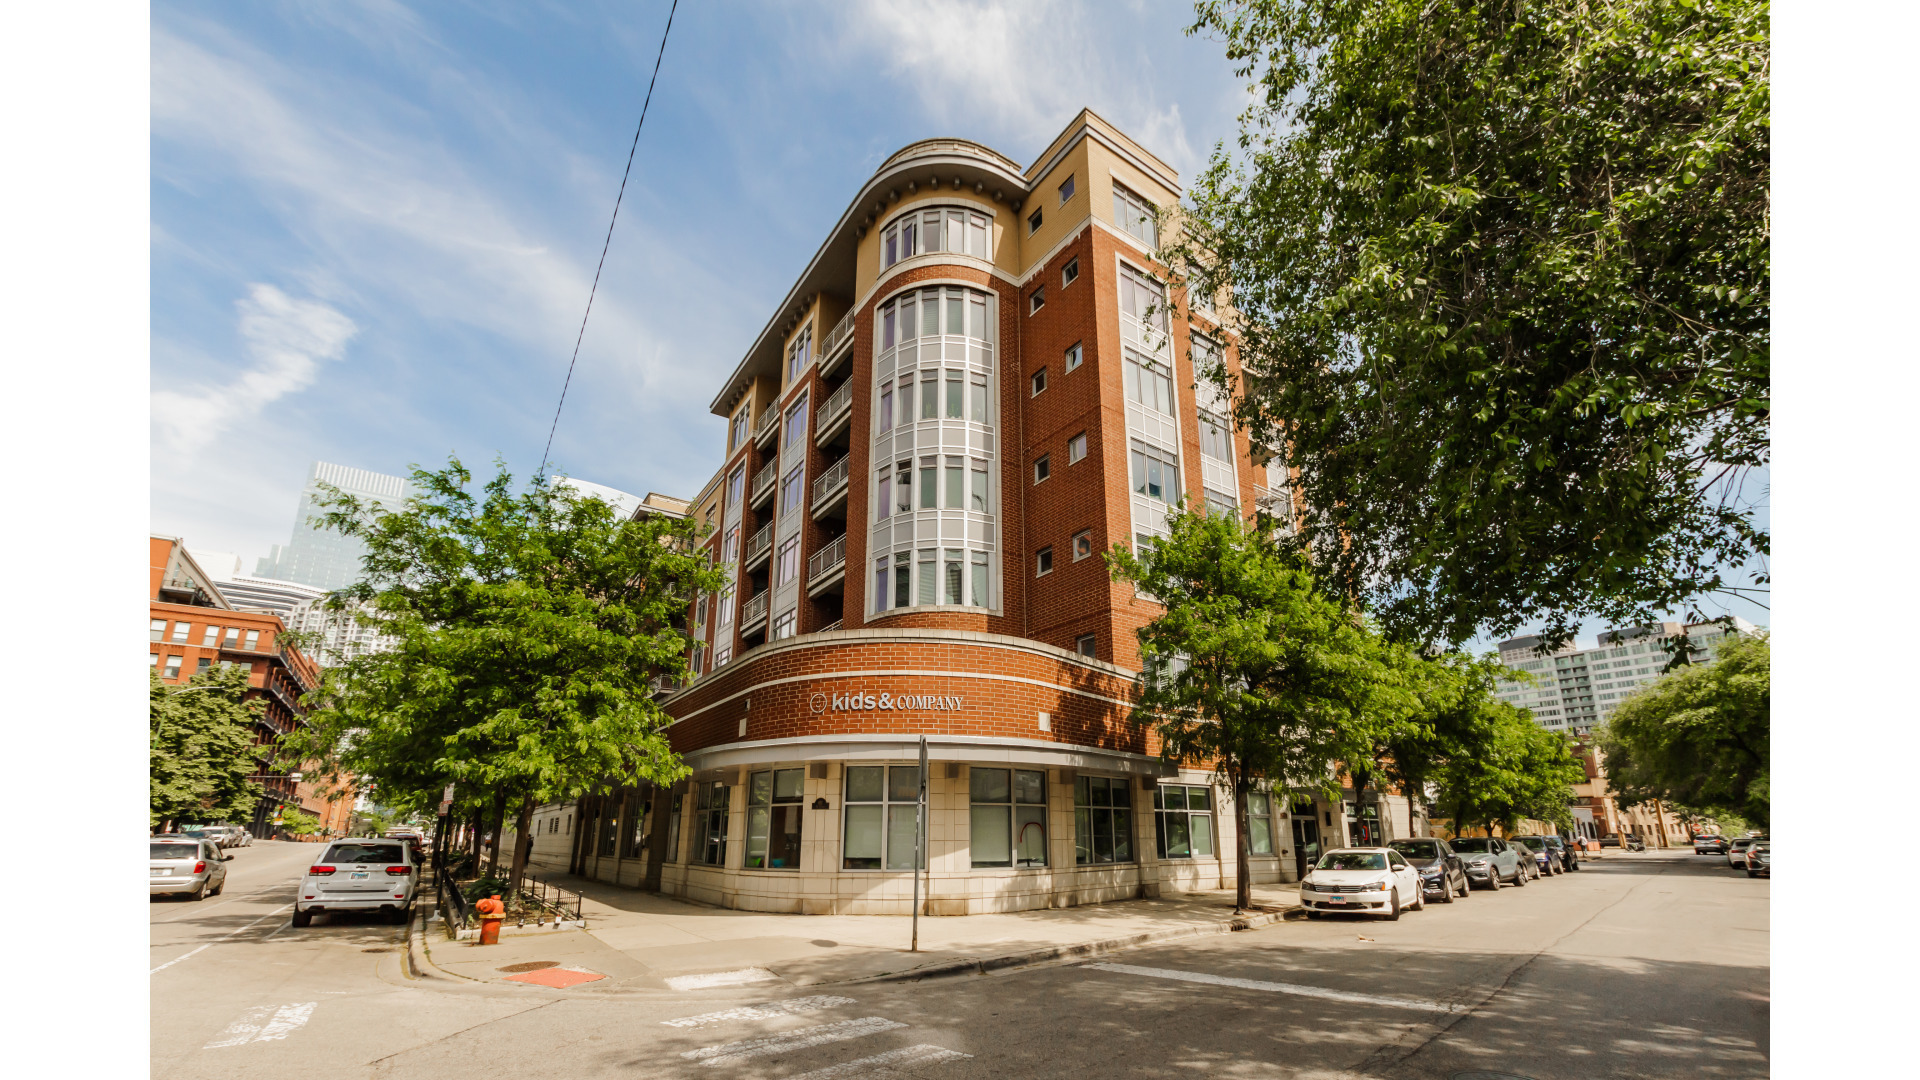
[[833, 347], [830, 490], [758, 548], [835, 416], [661, 684], [764, 428], [831, 627], [827, 567], [764, 482], [753, 614]]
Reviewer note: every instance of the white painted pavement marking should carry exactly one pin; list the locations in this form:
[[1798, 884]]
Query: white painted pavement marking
[[923, 1054], [720, 978], [264, 1023], [1284, 988], [222, 938], [764, 1011], [798, 1039]]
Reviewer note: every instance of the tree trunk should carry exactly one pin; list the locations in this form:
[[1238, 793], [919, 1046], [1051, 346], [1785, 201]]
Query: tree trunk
[[522, 841], [1243, 888], [473, 837], [499, 821]]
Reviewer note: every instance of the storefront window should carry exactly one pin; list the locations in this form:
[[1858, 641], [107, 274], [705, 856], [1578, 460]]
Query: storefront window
[[638, 819], [1183, 821], [711, 820], [881, 801], [610, 829], [1102, 820], [773, 819], [1009, 814], [673, 823], [1259, 823]]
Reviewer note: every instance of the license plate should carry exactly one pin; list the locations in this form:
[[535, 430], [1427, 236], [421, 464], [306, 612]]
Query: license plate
[[359, 877], [1336, 900], [163, 873]]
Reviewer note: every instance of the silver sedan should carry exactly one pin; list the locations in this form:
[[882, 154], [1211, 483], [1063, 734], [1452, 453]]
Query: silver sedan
[[186, 864]]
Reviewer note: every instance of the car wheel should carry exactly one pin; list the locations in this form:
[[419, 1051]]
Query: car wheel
[[220, 888], [1446, 889], [199, 893], [1393, 912], [302, 918], [1519, 877], [1493, 880]]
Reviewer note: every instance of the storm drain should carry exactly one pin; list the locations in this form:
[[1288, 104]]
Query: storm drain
[[531, 965]]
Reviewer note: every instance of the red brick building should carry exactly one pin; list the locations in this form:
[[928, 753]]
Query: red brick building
[[193, 627], [976, 387]]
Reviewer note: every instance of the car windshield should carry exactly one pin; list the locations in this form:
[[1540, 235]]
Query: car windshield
[[1351, 860], [1417, 849], [1525, 844], [195, 833], [363, 853], [1479, 844], [176, 851]]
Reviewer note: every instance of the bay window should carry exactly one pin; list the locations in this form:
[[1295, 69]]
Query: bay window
[[1156, 473], [926, 230]]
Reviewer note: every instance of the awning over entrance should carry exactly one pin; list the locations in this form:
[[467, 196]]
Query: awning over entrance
[[939, 748]]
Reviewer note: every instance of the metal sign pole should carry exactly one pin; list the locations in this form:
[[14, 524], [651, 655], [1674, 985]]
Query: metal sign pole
[[919, 842]]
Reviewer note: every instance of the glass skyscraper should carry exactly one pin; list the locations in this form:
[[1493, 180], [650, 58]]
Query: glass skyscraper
[[319, 556]]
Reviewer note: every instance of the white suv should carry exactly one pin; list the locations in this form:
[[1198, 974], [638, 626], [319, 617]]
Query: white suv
[[364, 874]]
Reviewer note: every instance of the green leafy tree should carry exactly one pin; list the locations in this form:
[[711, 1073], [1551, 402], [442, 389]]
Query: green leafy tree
[[297, 822], [1251, 666], [1699, 737], [1506, 769], [200, 748], [530, 625], [1501, 272]]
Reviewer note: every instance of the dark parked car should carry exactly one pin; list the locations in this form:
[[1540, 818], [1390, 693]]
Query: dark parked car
[[1569, 852], [1442, 873], [1543, 854], [1760, 858]]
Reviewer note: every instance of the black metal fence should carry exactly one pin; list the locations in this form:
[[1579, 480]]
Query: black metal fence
[[540, 895]]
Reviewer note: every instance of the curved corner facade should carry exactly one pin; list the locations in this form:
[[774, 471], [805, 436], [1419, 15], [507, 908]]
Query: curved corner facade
[[977, 386]]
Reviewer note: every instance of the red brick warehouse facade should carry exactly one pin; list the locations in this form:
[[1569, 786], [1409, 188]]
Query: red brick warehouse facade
[[976, 387]]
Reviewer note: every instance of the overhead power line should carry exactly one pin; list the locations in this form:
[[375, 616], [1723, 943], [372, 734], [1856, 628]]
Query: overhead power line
[[594, 291]]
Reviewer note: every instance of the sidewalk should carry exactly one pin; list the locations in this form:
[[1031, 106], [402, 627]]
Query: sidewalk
[[643, 940]]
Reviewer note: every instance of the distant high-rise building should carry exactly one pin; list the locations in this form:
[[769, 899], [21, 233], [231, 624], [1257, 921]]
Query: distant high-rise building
[[1575, 689], [321, 557]]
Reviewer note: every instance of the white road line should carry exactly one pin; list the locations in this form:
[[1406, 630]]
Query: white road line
[[264, 1023], [1284, 988], [764, 1011], [923, 1054], [720, 978], [728, 1053], [222, 938]]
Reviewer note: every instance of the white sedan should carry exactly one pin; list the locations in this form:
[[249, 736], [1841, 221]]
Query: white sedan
[[1370, 881]]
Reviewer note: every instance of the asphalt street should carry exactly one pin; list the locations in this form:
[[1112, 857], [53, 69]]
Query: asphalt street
[[1642, 966]]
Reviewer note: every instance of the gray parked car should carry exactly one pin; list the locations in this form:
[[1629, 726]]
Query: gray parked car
[[186, 864], [1547, 859], [1491, 861]]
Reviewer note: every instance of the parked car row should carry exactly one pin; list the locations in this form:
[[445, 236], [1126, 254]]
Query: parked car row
[[1403, 874], [227, 836]]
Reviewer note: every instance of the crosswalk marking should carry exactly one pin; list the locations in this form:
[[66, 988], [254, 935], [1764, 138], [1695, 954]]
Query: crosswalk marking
[[923, 1054], [1283, 988], [264, 1023], [799, 1039], [764, 1011], [720, 978]]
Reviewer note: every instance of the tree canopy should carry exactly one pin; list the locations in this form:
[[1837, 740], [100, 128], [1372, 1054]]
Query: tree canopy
[[1699, 737], [1251, 667], [530, 627], [1501, 275], [200, 748]]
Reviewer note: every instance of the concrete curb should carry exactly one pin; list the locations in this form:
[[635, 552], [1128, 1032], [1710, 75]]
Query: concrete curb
[[419, 961], [985, 965]]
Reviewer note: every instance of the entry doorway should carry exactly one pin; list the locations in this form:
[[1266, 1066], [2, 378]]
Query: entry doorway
[[1306, 840]]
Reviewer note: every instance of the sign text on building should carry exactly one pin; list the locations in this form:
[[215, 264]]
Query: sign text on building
[[864, 701]]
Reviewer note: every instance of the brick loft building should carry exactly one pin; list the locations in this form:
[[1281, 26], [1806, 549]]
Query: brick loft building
[[975, 388], [194, 626]]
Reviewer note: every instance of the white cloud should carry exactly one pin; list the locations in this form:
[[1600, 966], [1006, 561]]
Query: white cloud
[[287, 339], [1018, 68]]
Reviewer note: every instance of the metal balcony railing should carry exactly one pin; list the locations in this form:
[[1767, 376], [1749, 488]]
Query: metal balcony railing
[[831, 481], [764, 479], [827, 559], [768, 422], [838, 405], [838, 336], [759, 545], [831, 627], [754, 612]]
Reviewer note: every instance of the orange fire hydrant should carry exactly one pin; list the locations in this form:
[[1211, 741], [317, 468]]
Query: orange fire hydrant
[[491, 911]]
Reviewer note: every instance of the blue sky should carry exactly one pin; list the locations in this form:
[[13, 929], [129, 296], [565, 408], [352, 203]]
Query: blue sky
[[374, 225]]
